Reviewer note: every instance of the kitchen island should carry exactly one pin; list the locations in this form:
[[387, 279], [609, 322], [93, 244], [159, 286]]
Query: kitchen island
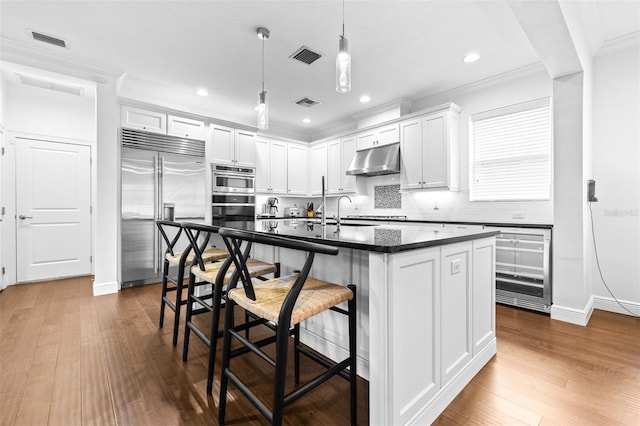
[[426, 309]]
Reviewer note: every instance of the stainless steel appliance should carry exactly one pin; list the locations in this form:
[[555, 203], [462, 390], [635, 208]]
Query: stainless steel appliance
[[162, 178], [383, 160], [292, 211], [523, 268], [233, 201], [233, 210], [233, 179]]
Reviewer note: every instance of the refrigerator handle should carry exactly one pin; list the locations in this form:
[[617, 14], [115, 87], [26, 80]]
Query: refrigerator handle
[[157, 198]]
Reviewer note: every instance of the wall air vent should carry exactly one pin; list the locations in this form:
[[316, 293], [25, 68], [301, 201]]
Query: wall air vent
[[305, 55], [306, 102], [48, 39], [29, 80]]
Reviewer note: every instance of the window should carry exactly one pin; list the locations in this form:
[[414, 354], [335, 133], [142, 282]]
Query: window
[[511, 153]]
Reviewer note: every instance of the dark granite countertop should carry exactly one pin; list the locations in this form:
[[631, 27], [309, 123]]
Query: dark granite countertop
[[379, 238], [386, 219]]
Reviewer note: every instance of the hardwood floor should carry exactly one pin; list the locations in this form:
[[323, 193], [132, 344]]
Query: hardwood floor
[[68, 358]]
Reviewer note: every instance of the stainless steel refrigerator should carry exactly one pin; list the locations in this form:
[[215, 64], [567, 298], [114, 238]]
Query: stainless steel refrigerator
[[162, 178]]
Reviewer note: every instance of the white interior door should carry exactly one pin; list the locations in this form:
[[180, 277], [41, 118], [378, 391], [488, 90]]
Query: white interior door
[[53, 199]]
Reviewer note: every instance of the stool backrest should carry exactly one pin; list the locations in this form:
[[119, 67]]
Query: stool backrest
[[164, 226], [194, 232], [234, 238]]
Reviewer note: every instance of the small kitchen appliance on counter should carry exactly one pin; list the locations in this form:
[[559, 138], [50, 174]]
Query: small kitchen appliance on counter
[[292, 211]]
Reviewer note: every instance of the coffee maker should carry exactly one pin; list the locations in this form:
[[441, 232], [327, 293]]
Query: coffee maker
[[272, 204]]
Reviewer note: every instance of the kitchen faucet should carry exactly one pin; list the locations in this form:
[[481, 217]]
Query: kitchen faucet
[[323, 220], [338, 218]]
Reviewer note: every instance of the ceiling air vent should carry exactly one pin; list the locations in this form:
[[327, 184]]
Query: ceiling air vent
[[48, 39], [306, 102], [305, 55]]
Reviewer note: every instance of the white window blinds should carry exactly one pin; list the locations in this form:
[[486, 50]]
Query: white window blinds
[[511, 150]]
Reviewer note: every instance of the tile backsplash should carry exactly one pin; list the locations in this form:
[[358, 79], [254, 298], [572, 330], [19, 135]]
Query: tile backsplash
[[387, 197]]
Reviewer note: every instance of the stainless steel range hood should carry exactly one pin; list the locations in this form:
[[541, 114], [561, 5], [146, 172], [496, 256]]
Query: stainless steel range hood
[[382, 160]]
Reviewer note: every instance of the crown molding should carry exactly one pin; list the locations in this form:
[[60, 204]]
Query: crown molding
[[620, 43], [397, 103], [55, 60]]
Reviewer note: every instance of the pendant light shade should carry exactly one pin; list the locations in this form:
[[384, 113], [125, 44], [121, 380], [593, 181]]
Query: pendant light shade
[[263, 105], [263, 111], [343, 62], [343, 66]]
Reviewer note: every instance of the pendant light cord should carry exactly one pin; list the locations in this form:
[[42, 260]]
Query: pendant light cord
[[342, 18], [263, 63]]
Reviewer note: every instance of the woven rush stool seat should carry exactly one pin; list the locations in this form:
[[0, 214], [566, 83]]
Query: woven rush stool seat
[[209, 273], [211, 254], [281, 304], [181, 260], [316, 296]]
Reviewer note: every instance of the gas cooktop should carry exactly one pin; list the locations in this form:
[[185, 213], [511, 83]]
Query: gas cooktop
[[377, 217]]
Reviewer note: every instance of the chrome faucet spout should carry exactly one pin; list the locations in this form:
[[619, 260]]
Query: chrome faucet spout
[[339, 199], [323, 220]]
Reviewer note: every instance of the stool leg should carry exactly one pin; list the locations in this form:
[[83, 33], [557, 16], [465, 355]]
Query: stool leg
[[353, 376], [176, 319], [282, 342], [187, 330], [296, 352], [165, 272], [213, 336], [226, 349]]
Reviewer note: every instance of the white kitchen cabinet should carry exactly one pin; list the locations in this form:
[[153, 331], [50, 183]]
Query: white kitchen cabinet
[[318, 167], [340, 154], [232, 146], [429, 150], [185, 127], [379, 136], [271, 166], [297, 169], [141, 119]]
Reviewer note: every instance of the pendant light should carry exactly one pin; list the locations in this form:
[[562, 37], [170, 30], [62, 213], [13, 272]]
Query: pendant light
[[263, 105], [343, 62]]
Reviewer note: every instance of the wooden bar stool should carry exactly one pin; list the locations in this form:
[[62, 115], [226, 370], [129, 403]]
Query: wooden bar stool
[[208, 274], [179, 259], [282, 303]]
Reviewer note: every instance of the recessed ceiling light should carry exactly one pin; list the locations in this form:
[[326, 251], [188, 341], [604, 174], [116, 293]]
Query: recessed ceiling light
[[306, 120], [202, 92], [365, 98], [471, 57]]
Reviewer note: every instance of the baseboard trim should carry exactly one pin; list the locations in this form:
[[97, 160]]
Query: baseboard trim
[[100, 289], [610, 305], [573, 315]]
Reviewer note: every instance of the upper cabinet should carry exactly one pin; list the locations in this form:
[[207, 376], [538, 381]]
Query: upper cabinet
[[232, 146], [185, 127], [340, 154], [379, 136], [140, 119], [317, 167], [161, 123], [271, 166], [297, 169], [429, 151]]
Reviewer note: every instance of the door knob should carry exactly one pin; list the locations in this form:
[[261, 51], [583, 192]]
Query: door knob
[[23, 217]]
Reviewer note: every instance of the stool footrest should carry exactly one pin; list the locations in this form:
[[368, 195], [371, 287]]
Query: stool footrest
[[249, 395], [323, 362], [313, 383]]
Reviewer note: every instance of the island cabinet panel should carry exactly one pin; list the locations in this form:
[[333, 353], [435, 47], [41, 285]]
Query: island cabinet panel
[[455, 302], [484, 295], [413, 307]]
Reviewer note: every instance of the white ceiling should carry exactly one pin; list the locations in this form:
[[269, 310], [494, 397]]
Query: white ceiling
[[400, 49]]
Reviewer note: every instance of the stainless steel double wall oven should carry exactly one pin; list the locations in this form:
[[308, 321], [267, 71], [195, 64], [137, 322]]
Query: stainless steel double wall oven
[[233, 198]]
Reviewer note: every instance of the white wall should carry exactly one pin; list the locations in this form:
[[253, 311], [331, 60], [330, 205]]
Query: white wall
[[455, 206], [47, 112], [616, 169]]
